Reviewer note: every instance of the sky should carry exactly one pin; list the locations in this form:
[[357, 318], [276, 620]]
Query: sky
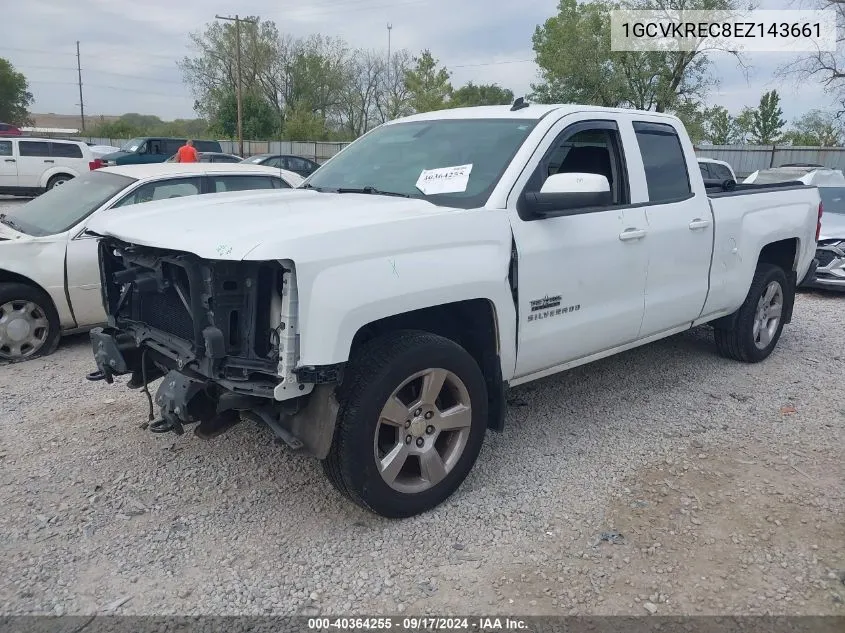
[[129, 48]]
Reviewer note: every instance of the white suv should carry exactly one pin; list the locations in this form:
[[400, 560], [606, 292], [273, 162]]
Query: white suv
[[30, 166]]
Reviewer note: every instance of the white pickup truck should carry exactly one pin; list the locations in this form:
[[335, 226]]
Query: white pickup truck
[[375, 316]]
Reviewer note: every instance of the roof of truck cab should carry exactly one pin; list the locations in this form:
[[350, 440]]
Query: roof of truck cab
[[153, 170], [533, 111]]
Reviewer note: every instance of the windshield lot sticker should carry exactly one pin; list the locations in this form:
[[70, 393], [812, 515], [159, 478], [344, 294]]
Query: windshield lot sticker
[[444, 180]]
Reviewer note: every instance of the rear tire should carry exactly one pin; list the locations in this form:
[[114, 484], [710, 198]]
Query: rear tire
[[29, 323], [390, 393], [758, 324], [58, 180]]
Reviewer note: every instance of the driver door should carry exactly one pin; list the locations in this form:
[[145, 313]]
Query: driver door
[[582, 276]]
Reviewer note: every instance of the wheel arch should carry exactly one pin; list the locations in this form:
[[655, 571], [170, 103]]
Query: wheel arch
[[473, 324], [784, 254], [9, 277]]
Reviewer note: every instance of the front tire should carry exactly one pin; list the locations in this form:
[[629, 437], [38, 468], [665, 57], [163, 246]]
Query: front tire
[[29, 323], [758, 323], [412, 418]]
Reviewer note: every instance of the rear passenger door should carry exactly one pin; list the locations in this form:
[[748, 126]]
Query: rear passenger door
[[8, 165], [33, 160], [680, 231], [67, 155]]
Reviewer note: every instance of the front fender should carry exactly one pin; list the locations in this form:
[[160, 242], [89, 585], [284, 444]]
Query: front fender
[[41, 263], [337, 301]]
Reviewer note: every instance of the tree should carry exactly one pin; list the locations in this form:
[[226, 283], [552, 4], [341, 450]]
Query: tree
[[767, 124], [745, 123], [260, 120], [694, 117], [427, 85], [826, 67], [722, 128], [573, 51], [394, 99], [15, 97], [481, 94], [817, 128]]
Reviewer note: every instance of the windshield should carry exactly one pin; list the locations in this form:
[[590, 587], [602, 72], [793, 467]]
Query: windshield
[[833, 199], [61, 208], [133, 145], [469, 156]]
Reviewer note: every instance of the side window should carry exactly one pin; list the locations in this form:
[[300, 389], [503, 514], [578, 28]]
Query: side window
[[156, 146], [274, 162], [34, 148], [297, 164], [589, 147], [65, 150], [278, 183], [5, 148], [721, 172], [705, 171], [663, 157], [241, 183], [162, 190], [171, 146]]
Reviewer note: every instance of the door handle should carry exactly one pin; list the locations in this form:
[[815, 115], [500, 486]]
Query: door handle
[[49, 161], [698, 223], [632, 234], [10, 160]]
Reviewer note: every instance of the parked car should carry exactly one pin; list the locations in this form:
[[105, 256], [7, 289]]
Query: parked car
[[102, 150], [717, 174], [9, 130], [49, 278], [212, 157], [30, 166], [297, 164], [153, 150], [830, 253], [377, 320]]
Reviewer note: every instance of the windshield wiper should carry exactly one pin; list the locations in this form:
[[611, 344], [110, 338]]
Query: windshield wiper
[[372, 191], [310, 186]]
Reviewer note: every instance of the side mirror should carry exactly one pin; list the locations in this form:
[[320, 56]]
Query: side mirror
[[729, 185], [568, 194]]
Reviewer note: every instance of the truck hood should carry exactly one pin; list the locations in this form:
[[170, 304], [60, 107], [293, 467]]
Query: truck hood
[[261, 227], [833, 226]]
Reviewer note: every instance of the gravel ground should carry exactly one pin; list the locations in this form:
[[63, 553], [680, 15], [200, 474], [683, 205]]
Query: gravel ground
[[664, 480]]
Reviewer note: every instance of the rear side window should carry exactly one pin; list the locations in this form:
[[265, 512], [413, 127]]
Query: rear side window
[[704, 171], [34, 148], [162, 190], [721, 172], [5, 148], [241, 183], [65, 150], [663, 157], [171, 146]]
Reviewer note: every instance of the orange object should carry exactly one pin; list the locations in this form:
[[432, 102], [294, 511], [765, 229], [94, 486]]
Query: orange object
[[187, 154]]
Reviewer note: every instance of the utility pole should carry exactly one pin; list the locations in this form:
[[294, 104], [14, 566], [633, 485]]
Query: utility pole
[[237, 20], [79, 74], [389, 86]]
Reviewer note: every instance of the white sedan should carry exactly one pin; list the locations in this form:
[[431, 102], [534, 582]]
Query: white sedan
[[49, 269]]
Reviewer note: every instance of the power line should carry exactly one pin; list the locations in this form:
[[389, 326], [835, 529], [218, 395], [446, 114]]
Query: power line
[[102, 87]]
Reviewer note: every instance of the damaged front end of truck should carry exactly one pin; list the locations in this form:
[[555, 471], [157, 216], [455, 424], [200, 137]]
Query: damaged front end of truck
[[224, 337]]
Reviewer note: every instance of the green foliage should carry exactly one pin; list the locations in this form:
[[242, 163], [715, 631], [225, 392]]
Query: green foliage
[[481, 94], [132, 124], [302, 124], [722, 128], [817, 128], [577, 64], [766, 122], [428, 86], [260, 120], [15, 97]]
